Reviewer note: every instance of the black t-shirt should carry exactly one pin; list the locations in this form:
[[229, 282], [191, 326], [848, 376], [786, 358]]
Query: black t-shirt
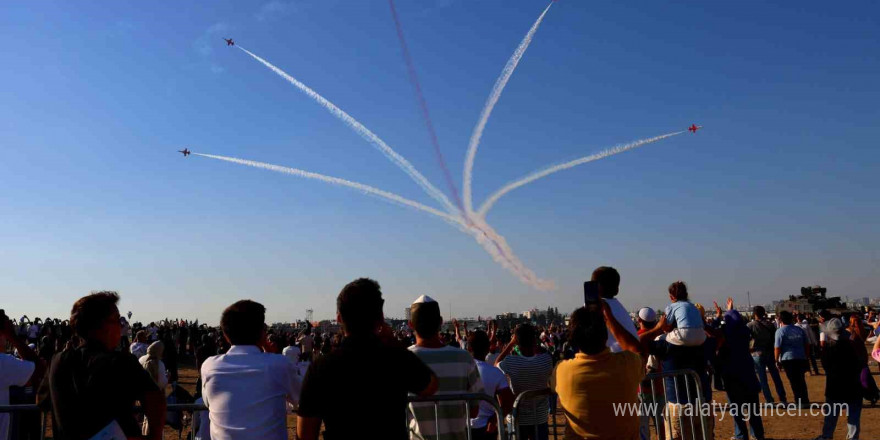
[[89, 387], [359, 390]]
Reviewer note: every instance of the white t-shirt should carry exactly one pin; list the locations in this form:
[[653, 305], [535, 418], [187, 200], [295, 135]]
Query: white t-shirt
[[494, 381], [246, 392], [622, 318], [292, 352], [138, 349], [14, 372]]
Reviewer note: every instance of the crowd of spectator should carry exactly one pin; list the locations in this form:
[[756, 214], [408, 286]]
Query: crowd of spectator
[[99, 375]]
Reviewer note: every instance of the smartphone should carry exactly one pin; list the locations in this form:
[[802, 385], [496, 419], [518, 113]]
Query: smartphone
[[591, 292]]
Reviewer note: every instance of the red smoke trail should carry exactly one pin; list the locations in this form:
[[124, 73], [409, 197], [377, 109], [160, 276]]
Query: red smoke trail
[[414, 79]]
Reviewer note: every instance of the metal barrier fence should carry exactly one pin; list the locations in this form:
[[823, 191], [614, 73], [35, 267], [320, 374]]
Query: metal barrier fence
[[436, 400], [467, 398], [532, 398], [682, 400]]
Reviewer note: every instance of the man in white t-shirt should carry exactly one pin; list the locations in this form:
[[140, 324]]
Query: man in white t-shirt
[[13, 372], [247, 390], [485, 425], [608, 280]]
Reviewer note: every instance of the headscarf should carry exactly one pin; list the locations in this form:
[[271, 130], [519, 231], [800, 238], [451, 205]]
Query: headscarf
[[154, 356]]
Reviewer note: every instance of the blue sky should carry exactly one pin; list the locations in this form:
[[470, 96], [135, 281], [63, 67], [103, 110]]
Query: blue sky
[[778, 191]]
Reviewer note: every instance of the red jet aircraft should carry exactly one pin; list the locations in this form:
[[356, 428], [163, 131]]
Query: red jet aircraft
[[229, 42], [185, 152], [694, 128]]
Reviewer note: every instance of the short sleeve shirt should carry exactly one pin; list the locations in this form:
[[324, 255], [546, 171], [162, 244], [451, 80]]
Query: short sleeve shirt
[[682, 314], [493, 382], [89, 388], [361, 388], [790, 339], [529, 374], [589, 388]]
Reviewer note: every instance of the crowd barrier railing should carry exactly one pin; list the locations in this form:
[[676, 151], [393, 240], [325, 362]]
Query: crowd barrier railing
[[191, 407], [467, 398], [532, 398], [677, 419]]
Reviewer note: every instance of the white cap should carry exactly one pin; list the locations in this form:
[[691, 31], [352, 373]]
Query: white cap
[[424, 299], [647, 314]]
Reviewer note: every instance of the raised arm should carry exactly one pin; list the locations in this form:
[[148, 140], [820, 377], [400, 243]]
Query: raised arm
[[626, 340]]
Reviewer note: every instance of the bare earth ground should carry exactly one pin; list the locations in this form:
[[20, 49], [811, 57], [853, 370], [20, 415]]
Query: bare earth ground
[[777, 427]]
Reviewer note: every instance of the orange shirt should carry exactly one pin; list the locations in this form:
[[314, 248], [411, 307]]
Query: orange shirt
[[589, 388]]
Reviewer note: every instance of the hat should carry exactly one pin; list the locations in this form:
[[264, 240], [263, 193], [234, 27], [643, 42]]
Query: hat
[[424, 306], [647, 314], [834, 328]]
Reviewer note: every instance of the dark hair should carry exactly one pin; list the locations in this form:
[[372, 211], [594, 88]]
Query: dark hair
[[609, 279], [360, 306], [243, 322], [426, 320], [478, 344], [786, 317], [759, 311], [588, 331], [679, 291], [525, 335], [91, 311]]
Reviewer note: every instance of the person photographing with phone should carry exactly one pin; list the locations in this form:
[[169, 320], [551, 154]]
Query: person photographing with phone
[[605, 284]]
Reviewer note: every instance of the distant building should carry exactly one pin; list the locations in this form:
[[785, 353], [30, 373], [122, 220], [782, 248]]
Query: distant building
[[407, 313]]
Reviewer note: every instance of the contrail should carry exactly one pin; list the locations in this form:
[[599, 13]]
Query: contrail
[[496, 246], [493, 243], [484, 209], [414, 79], [337, 181], [500, 83], [364, 132]]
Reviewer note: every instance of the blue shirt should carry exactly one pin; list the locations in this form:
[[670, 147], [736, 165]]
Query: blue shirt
[[790, 339], [682, 314]]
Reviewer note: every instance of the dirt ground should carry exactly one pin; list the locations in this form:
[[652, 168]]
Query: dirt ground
[[778, 427]]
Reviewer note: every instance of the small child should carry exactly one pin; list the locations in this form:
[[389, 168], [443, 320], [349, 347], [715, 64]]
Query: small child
[[684, 320]]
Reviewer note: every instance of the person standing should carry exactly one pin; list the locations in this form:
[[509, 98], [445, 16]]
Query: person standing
[[763, 336], [91, 388], [529, 371], [456, 373], [485, 425], [843, 389], [738, 376], [14, 372], [359, 390], [597, 379], [246, 390], [791, 351], [608, 280]]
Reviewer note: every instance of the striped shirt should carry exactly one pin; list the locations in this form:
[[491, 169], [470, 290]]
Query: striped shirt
[[456, 373], [529, 373]]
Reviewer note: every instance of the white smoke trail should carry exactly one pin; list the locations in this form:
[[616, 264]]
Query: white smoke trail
[[337, 181], [484, 209], [496, 246], [364, 132], [500, 83]]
